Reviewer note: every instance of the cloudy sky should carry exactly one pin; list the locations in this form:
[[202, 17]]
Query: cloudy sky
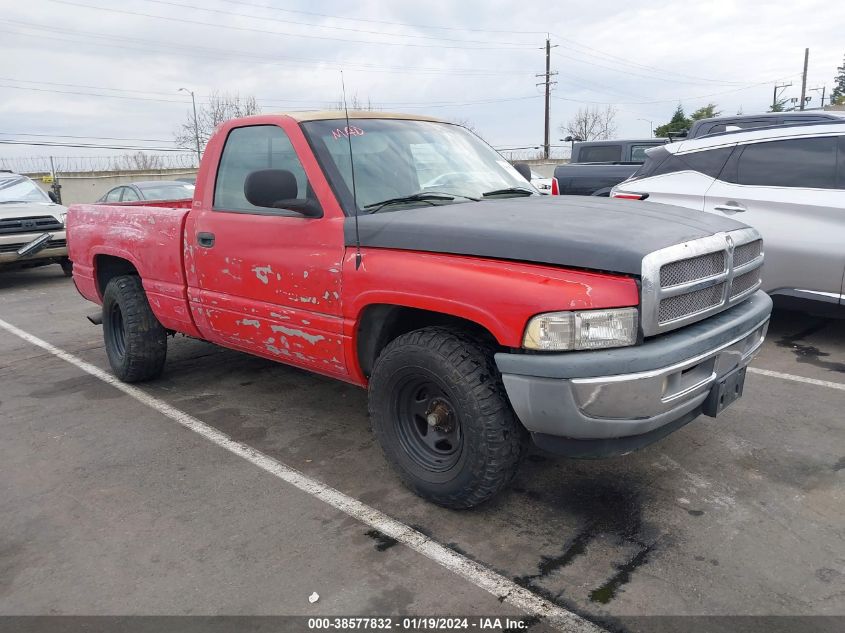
[[94, 70]]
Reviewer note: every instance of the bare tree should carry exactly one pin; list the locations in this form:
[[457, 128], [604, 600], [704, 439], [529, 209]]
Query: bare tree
[[468, 125], [139, 161], [354, 103], [220, 107], [592, 124]]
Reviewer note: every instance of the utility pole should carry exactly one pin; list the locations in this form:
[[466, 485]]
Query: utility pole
[[55, 186], [823, 88], [650, 125], [548, 84], [776, 95], [804, 78], [196, 123]]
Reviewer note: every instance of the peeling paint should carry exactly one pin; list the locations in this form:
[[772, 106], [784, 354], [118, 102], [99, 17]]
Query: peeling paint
[[311, 338], [253, 322], [262, 272], [276, 315], [305, 274], [308, 299]]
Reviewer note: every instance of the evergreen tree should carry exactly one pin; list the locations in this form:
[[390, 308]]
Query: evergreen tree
[[678, 123]]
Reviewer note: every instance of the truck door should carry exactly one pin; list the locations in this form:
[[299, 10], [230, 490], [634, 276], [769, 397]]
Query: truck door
[[266, 280]]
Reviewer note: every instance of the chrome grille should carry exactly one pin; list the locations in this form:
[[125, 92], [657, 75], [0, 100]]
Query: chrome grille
[[690, 303], [687, 270], [747, 252], [688, 282], [745, 282]]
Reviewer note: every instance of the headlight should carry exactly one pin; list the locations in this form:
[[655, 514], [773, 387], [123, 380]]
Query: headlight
[[63, 218], [588, 329]]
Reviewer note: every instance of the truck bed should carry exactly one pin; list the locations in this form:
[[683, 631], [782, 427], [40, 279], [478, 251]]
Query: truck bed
[[148, 236]]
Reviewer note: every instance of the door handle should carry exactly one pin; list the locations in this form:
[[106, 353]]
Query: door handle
[[206, 240], [730, 207]]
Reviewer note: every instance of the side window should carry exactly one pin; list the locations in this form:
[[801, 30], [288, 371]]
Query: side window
[[249, 149], [638, 153], [841, 163], [708, 162], [600, 154], [129, 195], [807, 162], [114, 194]]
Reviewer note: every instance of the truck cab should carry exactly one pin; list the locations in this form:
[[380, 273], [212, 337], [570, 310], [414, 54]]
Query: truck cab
[[404, 255]]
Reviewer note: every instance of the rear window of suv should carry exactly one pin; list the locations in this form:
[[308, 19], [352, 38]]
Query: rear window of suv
[[805, 162]]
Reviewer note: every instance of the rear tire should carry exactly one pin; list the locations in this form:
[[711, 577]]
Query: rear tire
[[440, 413], [136, 343]]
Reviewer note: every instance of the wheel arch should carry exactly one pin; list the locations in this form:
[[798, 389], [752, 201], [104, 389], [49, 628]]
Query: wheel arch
[[380, 323], [107, 267]]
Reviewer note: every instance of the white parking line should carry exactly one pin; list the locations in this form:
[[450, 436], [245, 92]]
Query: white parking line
[[503, 588], [810, 381]]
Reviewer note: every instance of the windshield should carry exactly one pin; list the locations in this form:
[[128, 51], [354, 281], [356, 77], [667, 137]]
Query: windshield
[[20, 189], [399, 158], [168, 192]]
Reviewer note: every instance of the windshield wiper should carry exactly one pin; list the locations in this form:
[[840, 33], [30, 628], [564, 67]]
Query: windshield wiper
[[516, 190], [414, 197], [14, 201]]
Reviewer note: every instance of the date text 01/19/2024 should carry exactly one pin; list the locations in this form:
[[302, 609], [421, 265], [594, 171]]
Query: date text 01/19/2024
[[420, 623]]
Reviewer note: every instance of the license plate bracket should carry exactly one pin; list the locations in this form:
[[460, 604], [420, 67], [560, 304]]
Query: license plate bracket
[[725, 392]]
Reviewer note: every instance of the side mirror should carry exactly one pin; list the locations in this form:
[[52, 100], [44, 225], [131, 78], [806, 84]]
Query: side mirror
[[277, 189], [524, 170], [53, 197]]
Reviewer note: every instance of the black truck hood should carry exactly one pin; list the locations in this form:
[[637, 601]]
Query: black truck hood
[[573, 231]]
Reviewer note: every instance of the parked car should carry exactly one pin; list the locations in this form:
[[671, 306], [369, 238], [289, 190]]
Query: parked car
[[475, 313], [787, 182], [616, 151], [598, 165], [541, 183], [717, 125], [32, 226], [149, 190]]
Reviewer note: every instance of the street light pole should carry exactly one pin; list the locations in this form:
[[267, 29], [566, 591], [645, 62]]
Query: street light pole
[[650, 123], [196, 123]]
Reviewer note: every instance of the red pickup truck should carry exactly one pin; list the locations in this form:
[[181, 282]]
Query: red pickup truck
[[403, 254]]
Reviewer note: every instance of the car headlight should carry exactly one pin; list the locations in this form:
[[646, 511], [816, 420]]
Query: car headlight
[[63, 218], [587, 329]]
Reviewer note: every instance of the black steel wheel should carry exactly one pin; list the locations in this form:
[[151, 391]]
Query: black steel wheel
[[440, 413]]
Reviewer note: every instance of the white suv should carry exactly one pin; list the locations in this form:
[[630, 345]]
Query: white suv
[[787, 182]]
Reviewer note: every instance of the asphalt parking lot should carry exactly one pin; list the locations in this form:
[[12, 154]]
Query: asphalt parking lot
[[110, 507]]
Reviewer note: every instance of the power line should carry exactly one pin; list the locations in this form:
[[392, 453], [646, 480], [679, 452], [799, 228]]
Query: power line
[[314, 103], [568, 43], [675, 100], [91, 146], [203, 52], [285, 33], [373, 21], [328, 26], [97, 138]]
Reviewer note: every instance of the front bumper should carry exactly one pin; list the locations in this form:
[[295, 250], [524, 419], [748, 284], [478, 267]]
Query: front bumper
[[613, 401]]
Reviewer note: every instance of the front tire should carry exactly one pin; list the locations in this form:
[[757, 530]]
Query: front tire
[[136, 343], [440, 413]]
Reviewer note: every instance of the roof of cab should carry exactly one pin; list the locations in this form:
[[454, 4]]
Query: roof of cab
[[323, 115]]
